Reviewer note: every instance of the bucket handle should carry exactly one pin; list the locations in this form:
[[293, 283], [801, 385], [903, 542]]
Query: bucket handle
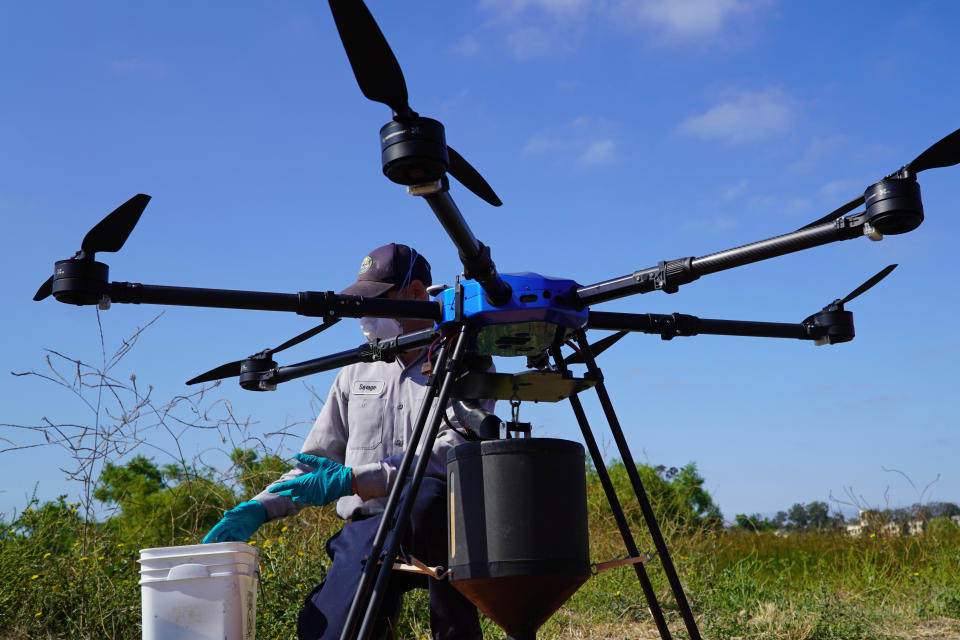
[[620, 561], [413, 565]]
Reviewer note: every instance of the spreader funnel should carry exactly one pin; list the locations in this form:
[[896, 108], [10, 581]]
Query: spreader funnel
[[518, 542]]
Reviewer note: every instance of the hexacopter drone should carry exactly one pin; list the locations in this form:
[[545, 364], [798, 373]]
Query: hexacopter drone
[[519, 579]]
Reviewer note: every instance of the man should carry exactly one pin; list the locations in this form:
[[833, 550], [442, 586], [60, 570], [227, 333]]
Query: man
[[352, 454]]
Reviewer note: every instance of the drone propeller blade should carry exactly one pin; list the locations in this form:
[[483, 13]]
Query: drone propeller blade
[[110, 233], [45, 290], [375, 67], [304, 336], [943, 153], [597, 348], [228, 370], [833, 215], [232, 369], [883, 273], [471, 178]]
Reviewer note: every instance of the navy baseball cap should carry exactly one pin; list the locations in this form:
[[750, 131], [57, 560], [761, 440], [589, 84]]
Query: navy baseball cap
[[392, 266]]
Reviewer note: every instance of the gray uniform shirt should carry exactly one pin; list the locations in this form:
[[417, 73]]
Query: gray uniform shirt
[[366, 424]]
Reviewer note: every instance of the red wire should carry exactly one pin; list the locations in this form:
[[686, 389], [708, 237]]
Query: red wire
[[432, 345], [573, 346]]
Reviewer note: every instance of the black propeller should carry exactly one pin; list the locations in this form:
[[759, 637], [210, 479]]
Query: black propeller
[[381, 79], [108, 235], [596, 348], [837, 305], [833, 324], [232, 369], [943, 153], [869, 284], [837, 213], [376, 68]]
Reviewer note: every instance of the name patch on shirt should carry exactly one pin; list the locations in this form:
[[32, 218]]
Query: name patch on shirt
[[368, 387]]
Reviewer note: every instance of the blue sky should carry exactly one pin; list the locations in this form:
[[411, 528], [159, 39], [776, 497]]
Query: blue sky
[[618, 133]]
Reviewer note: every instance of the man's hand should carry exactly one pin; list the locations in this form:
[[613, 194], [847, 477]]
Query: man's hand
[[239, 523], [328, 481]]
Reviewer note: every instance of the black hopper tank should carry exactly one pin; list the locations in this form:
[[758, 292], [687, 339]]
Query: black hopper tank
[[518, 542]]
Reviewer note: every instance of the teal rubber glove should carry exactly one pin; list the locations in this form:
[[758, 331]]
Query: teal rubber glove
[[238, 524], [328, 481]]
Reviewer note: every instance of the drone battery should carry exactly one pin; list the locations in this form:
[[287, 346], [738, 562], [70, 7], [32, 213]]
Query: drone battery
[[518, 542]]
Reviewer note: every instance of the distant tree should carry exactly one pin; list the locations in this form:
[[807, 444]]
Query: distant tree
[[813, 516], [797, 517], [755, 522], [161, 507], [254, 473], [677, 495]]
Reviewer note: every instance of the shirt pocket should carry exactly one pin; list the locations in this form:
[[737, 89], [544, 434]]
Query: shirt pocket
[[365, 423]]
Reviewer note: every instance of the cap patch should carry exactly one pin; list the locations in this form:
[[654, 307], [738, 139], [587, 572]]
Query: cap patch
[[366, 264]]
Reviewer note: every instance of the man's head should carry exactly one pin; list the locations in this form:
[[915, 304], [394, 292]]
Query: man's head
[[392, 267]]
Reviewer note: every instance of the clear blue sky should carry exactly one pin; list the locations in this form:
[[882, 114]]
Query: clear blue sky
[[618, 133]]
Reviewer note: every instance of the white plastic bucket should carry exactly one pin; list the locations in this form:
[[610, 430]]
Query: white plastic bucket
[[199, 592]]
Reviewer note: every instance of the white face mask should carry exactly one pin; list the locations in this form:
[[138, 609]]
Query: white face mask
[[380, 328]]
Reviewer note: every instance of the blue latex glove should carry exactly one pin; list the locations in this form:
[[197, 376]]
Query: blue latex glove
[[328, 481], [239, 523]]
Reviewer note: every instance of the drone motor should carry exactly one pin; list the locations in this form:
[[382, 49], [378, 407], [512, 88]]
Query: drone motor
[[831, 326], [893, 204], [79, 281], [254, 374], [413, 151]]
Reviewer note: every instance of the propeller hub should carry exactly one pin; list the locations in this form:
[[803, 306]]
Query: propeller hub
[[894, 205], [413, 151], [79, 282]]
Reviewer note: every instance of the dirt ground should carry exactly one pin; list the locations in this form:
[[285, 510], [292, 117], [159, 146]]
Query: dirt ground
[[943, 629]]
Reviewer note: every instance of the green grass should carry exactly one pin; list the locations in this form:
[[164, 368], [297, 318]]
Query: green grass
[[67, 578]]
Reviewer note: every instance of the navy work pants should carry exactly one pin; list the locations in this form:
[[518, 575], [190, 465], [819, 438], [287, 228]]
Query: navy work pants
[[452, 617]]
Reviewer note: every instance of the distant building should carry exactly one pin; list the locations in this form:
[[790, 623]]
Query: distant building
[[870, 521]]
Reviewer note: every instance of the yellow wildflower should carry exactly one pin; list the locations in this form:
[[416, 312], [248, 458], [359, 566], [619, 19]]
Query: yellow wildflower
[[120, 544], [284, 529], [34, 576], [38, 614], [47, 555], [82, 558]]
